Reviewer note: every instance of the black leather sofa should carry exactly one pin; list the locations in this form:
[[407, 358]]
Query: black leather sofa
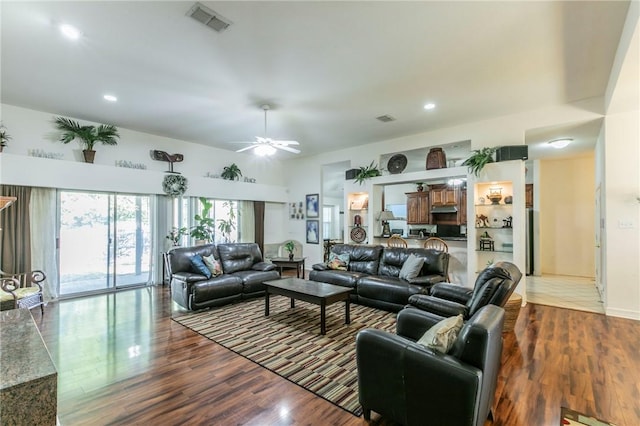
[[373, 274], [413, 385], [244, 272]]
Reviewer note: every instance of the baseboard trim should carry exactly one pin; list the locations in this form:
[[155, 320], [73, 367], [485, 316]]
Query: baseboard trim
[[623, 313]]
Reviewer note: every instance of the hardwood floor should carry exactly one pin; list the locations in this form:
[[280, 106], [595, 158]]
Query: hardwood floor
[[122, 360]]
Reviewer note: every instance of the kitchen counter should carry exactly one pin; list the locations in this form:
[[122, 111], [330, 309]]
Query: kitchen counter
[[418, 238]]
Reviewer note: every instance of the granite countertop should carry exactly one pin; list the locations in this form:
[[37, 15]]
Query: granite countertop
[[23, 355]]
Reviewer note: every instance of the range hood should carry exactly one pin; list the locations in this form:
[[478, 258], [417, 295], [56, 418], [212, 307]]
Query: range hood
[[444, 209]]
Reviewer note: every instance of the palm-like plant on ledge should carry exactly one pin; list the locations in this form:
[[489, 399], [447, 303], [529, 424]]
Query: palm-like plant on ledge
[[479, 158], [107, 134], [368, 172]]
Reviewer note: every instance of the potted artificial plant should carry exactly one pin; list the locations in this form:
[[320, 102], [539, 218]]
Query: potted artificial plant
[[107, 134], [175, 235], [4, 137], [204, 230], [290, 247], [231, 172], [479, 158], [367, 172], [226, 226]]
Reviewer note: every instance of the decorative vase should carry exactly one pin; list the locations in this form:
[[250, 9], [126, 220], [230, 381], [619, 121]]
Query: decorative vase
[[89, 155], [290, 256], [420, 188], [436, 159]]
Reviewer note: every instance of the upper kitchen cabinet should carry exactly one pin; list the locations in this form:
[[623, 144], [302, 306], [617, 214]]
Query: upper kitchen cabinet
[[444, 195], [418, 211]]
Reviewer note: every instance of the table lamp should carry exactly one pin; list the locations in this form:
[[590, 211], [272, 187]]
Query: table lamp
[[385, 217]]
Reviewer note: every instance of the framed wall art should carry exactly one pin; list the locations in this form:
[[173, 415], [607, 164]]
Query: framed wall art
[[313, 229], [312, 201]]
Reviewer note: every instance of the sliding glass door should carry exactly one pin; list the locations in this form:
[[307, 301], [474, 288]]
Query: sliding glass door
[[104, 241]]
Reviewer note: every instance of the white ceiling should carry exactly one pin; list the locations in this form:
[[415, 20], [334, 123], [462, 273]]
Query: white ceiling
[[328, 68]]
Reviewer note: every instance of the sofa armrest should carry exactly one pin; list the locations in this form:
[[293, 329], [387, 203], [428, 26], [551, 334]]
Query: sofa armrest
[[187, 277], [263, 266], [319, 267], [453, 292], [442, 307], [412, 323]]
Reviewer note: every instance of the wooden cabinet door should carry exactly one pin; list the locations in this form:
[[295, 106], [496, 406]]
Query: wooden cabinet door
[[450, 197], [417, 207], [528, 195], [462, 207], [437, 197]]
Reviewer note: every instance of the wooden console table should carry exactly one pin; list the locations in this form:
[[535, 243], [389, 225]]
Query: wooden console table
[[285, 263], [28, 378]]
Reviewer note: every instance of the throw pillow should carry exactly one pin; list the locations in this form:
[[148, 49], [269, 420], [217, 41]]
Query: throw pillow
[[411, 267], [199, 266], [213, 265], [338, 261], [442, 335]]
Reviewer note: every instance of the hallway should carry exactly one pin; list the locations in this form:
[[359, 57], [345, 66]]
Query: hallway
[[565, 292]]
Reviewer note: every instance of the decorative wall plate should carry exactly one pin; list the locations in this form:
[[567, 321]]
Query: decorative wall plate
[[358, 234], [397, 164]]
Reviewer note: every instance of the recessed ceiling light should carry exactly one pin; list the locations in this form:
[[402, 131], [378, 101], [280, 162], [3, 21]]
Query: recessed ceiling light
[[110, 98], [429, 106], [560, 143], [70, 32]]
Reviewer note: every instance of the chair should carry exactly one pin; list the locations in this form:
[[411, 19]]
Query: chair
[[396, 241], [494, 286], [436, 244], [411, 384], [22, 290]]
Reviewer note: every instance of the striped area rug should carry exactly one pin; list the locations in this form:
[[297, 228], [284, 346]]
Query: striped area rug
[[288, 342]]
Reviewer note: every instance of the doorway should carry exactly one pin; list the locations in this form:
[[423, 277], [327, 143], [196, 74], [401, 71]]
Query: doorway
[[104, 241]]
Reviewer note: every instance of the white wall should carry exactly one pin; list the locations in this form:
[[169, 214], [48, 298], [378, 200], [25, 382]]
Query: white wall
[[34, 130], [567, 235]]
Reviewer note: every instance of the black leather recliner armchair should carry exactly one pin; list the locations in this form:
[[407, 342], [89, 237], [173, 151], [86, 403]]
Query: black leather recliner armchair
[[413, 385], [494, 286]]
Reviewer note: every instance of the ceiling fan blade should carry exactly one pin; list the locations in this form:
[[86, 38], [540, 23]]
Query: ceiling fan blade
[[286, 148], [246, 148], [278, 142]]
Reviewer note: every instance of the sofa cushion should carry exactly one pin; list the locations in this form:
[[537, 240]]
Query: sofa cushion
[[411, 267], [435, 262], [252, 281], [198, 266], [180, 257], [443, 334], [388, 289], [338, 262], [362, 258], [216, 288], [213, 265], [238, 256], [330, 276]]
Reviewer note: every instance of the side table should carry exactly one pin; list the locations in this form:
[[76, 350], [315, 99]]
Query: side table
[[285, 263]]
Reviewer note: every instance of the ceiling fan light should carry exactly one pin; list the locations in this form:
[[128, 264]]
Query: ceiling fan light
[[264, 150]]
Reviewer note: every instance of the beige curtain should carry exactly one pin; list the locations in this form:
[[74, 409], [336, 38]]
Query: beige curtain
[[15, 237]]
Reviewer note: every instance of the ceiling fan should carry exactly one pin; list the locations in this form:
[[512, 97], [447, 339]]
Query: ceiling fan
[[267, 146]]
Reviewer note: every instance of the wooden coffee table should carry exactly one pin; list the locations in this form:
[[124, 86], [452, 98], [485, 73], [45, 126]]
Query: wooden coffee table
[[309, 291]]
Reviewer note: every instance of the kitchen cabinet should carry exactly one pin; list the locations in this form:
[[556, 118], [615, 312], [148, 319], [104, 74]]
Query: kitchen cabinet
[[418, 208], [462, 207], [528, 195], [444, 196]]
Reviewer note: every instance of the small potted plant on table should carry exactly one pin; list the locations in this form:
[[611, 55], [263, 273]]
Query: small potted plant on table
[[290, 247]]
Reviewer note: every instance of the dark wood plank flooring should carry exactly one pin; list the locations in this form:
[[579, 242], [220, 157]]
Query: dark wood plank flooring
[[121, 360]]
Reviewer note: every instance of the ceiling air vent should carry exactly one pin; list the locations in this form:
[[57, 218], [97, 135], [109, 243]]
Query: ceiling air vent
[[209, 17], [385, 118]]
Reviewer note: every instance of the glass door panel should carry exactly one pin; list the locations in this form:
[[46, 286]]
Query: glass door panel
[[84, 241], [133, 240]]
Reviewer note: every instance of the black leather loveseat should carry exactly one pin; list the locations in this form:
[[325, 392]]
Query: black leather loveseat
[[373, 274], [244, 272]]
